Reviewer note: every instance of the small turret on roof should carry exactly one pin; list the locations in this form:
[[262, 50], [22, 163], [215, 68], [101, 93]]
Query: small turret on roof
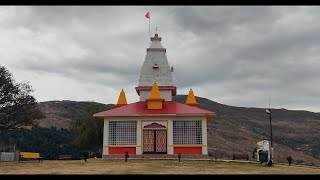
[[155, 101], [191, 99], [122, 100]]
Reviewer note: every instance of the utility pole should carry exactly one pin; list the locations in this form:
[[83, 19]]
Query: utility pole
[[270, 162]]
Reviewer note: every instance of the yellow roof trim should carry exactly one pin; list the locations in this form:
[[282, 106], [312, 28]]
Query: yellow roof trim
[[191, 99], [155, 93], [155, 101], [122, 100]]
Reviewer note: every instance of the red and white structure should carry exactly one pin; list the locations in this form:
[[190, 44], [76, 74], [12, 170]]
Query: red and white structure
[[155, 124]]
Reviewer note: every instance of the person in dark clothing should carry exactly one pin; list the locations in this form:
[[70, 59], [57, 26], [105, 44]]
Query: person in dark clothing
[[85, 156], [254, 153], [289, 158]]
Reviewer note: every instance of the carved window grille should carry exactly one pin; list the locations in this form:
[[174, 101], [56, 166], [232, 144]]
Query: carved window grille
[[187, 132], [122, 132]]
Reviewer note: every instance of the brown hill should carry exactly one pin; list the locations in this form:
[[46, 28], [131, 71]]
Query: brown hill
[[238, 129], [234, 130], [60, 113]]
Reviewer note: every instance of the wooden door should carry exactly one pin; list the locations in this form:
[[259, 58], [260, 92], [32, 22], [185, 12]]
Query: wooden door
[[154, 141], [161, 141], [148, 141]]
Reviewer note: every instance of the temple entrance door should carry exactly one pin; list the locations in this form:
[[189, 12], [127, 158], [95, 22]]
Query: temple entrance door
[[154, 141]]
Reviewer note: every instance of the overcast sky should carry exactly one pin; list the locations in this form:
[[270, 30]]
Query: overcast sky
[[234, 55]]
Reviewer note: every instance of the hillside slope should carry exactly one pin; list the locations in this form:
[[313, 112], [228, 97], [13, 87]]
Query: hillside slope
[[60, 113], [235, 129], [238, 129]]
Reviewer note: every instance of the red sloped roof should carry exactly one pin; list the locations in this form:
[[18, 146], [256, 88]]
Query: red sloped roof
[[169, 108]]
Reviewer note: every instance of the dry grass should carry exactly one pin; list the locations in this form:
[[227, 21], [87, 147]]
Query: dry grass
[[105, 166]]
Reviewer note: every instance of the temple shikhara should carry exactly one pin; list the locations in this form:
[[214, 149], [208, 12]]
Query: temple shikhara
[[155, 124]]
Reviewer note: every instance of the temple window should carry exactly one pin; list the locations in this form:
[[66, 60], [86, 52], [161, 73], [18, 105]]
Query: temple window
[[122, 132], [187, 132]]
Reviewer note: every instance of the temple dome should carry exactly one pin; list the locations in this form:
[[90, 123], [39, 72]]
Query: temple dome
[[155, 66]]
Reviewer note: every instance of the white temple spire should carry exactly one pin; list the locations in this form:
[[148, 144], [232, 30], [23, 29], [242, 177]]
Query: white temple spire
[[156, 68]]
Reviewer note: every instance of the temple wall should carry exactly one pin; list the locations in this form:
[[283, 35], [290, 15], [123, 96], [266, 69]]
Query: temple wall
[[165, 94]]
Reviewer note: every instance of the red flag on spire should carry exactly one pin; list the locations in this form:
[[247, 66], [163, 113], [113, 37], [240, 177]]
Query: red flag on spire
[[148, 15]]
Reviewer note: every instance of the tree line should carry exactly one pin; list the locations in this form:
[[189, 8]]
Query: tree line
[[18, 112]]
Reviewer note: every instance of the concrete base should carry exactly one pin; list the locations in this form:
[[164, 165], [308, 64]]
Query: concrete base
[[159, 156]]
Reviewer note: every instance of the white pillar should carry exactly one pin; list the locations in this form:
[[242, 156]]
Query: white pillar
[[105, 137], [170, 137], [139, 146], [204, 137]]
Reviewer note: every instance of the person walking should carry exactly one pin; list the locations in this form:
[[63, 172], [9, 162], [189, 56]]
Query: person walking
[[289, 158]]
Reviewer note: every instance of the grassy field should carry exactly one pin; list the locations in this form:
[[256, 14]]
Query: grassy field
[[105, 166]]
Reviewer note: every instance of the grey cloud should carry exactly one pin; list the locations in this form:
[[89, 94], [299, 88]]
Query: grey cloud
[[234, 55], [216, 19]]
